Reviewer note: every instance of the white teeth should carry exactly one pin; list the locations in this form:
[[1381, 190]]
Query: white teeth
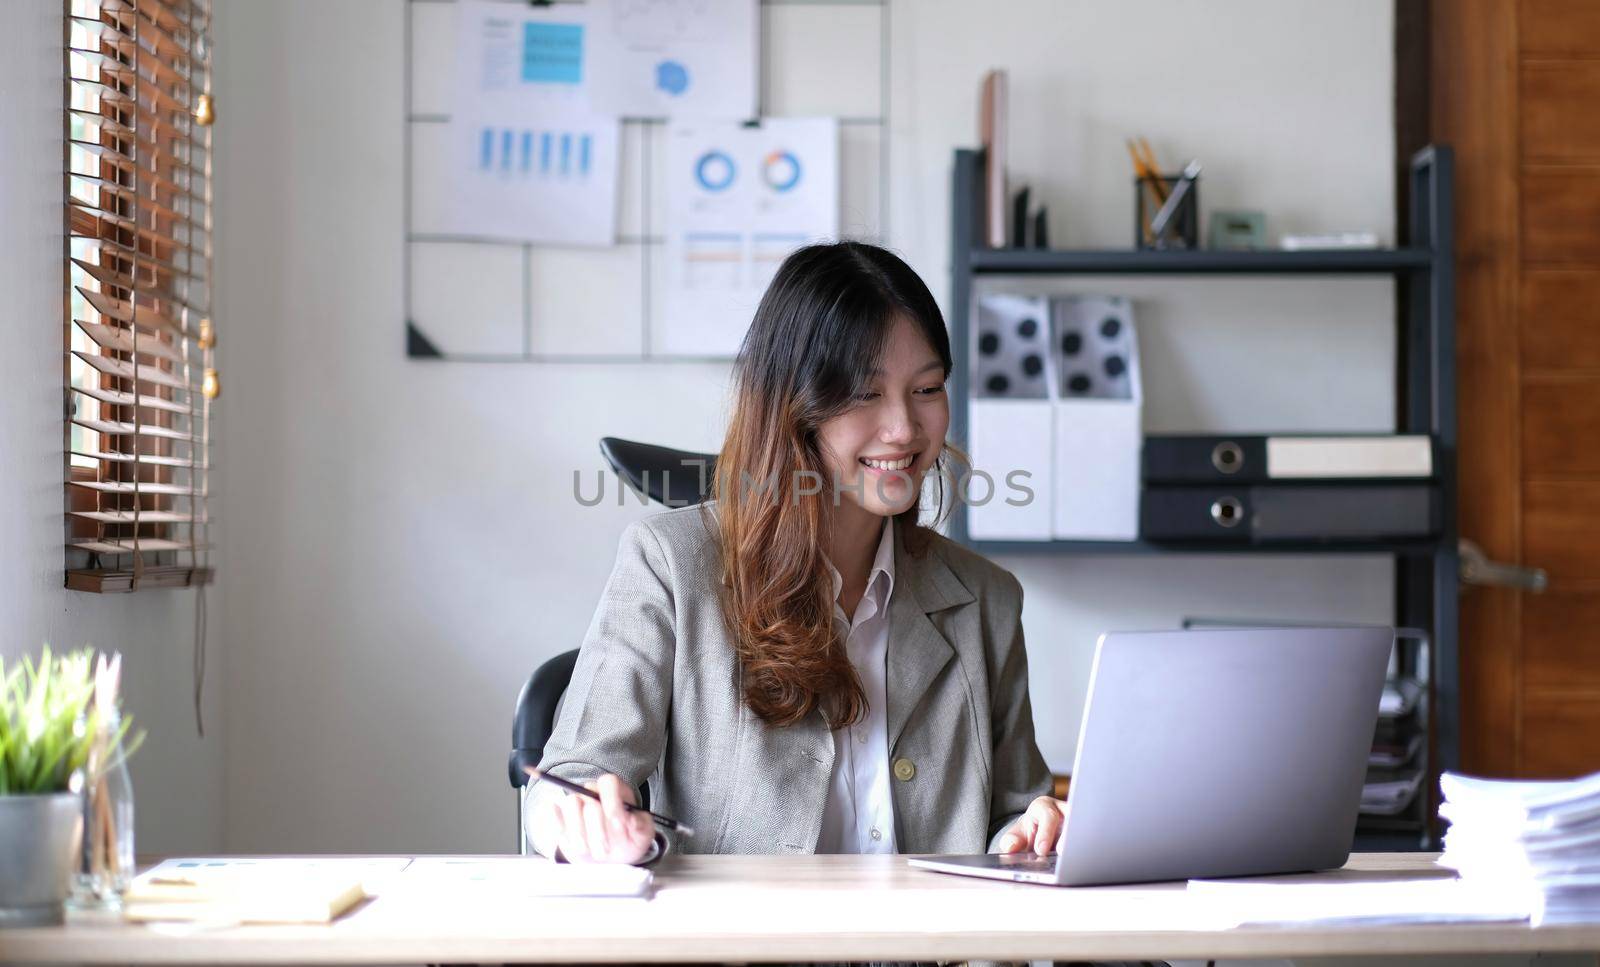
[[889, 464]]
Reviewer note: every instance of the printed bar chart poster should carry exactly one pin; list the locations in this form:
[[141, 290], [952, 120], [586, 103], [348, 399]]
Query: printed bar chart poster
[[739, 200], [674, 58], [531, 161]]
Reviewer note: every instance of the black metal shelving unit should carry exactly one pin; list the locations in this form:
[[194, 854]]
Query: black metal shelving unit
[[1426, 571]]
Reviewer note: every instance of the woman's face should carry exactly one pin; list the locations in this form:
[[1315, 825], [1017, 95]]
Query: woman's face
[[879, 449]]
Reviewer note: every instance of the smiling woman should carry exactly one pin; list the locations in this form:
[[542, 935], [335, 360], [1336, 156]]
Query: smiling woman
[[799, 664], [841, 401]]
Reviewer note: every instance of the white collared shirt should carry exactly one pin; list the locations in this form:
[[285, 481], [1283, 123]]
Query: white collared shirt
[[858, 816]]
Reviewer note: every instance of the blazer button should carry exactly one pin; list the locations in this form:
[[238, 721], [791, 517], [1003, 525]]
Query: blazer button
[[904, 769]]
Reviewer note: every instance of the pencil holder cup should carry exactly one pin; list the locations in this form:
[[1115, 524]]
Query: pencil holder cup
[[1181, 227]]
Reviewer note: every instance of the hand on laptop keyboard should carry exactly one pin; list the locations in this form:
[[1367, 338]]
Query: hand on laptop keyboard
[[1038, 829]]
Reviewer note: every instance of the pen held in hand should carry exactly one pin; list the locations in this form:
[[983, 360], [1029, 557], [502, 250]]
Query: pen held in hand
[[665, 822]]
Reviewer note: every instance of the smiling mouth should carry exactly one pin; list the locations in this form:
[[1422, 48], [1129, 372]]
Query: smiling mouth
[[886, 466]]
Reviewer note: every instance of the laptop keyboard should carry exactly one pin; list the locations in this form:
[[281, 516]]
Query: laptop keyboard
[[1028, 862]]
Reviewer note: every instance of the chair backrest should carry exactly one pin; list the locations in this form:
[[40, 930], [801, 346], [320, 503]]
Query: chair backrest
[[532, 723], [535, 716], [676, 478]]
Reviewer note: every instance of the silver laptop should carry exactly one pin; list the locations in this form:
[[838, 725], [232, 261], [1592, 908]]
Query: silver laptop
[[1229, 752]]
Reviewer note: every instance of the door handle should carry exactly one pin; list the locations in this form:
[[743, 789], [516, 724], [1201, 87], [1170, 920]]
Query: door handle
[[1476, 568]]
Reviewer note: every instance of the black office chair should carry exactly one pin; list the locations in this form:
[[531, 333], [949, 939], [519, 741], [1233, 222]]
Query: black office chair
[[677, 478]]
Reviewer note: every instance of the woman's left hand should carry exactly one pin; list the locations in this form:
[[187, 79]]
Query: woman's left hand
[[1037, 829]]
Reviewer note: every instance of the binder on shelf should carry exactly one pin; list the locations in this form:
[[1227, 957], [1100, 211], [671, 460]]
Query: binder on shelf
[[1203, 459], [1370, 512], [1267, 513], [1195, 513], [1197, 458]]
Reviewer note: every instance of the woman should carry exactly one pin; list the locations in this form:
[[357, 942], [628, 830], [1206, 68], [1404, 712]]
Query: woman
[[798, 665]]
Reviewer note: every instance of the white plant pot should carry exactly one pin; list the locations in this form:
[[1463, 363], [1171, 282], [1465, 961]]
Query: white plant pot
[[40, 837]]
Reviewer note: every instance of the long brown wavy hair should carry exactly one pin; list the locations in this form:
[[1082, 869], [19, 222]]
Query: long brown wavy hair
[[817, 334]]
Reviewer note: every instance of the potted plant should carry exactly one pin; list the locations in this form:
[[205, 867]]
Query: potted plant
[[49, 726]]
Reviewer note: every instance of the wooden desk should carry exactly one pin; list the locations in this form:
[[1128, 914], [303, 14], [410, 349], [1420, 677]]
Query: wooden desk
[[786, 908]]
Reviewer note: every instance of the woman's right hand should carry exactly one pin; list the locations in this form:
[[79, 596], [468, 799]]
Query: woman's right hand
[[595, 832]]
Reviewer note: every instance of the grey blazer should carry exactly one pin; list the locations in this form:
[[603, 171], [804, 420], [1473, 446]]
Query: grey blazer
[[655, 696]]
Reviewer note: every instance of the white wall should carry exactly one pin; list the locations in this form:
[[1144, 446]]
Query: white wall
[[403, 543], [177, 776]]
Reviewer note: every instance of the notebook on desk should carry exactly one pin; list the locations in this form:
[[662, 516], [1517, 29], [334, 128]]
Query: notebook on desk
[[259, 895]]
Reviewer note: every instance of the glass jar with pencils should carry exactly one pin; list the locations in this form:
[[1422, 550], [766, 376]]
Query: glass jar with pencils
[[107, 865]]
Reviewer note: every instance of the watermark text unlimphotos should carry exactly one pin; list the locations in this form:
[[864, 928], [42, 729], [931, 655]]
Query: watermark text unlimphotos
[[682, 487]]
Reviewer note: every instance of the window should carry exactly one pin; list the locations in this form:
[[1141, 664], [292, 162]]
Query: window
[[139, 364]]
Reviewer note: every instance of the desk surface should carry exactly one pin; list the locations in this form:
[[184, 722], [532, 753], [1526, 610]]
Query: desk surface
[[795, 908]]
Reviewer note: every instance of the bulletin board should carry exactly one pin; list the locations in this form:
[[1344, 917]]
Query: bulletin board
[[472, 299]]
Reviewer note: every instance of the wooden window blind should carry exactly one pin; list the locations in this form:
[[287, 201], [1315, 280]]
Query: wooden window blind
[[139, 359]]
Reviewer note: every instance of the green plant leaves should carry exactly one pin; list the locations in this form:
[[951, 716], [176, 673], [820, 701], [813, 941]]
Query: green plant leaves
[[48, 722]]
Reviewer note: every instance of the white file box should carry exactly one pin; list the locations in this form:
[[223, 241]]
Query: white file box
[[1010, 491], [1098, 404]]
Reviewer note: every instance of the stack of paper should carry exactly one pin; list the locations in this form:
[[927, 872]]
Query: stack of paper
[[1537, 839]]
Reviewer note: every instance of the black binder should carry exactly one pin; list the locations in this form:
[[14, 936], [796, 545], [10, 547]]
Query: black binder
[[1204, 459], [1244, 458], [1289, 512]]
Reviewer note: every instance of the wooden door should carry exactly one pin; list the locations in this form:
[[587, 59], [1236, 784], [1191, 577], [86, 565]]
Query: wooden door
[[1514, 85]]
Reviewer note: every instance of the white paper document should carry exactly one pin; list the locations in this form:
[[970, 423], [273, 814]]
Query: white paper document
[[739, 201], [674, 58], [1372, 902], [530, 160], [523, 876]]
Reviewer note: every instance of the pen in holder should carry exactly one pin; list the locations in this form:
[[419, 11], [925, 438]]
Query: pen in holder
[[1167, 210], [106, 865]]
